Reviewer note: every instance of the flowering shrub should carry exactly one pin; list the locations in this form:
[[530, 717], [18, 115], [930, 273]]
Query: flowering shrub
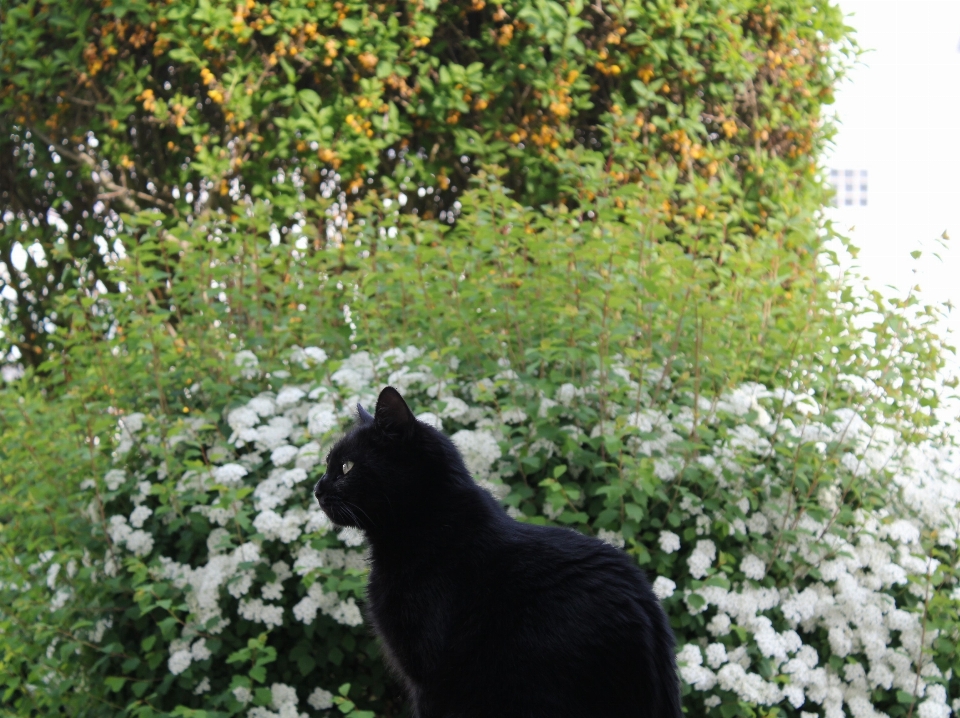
[[807, 558]]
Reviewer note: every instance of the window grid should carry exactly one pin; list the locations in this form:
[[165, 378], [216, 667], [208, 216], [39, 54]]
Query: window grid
[[850, 187]]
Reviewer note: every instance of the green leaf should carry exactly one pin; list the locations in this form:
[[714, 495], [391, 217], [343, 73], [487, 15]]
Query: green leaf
[[634, 512], [905, 698], [114, 683], [695, 600]]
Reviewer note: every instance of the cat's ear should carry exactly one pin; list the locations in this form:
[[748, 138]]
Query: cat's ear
[[364, 415], [393, 415]]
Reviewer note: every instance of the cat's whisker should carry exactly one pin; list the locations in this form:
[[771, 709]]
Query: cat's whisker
[[369, 520], [349, 512]]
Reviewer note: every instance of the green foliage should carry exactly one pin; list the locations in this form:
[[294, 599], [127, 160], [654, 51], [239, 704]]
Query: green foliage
[[582, 300], [621, 199], [189, 106]]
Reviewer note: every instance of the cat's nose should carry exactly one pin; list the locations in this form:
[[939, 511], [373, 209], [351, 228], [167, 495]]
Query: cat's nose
[[318, 489]]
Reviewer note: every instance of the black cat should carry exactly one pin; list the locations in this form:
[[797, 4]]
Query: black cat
[[479, 615]]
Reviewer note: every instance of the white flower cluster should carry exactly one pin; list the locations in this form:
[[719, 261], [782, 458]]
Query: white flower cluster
[[853, 600], [767, 636], [283, 700], [276, 440]]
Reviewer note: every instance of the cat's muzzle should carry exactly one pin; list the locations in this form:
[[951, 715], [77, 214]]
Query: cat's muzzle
[[318, 489]]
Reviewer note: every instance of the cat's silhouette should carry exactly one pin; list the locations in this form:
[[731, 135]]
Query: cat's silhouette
[[482, 616]]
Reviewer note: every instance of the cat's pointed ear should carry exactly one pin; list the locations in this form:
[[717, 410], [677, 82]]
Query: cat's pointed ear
[[393, 415], [364, 415]]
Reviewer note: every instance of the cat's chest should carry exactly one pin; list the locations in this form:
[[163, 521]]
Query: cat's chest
[[411, 614]]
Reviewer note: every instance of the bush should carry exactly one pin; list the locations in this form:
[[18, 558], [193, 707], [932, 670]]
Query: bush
[[805, 557], [636, 333]]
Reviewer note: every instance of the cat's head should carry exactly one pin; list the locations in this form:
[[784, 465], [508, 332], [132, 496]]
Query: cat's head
[[389, 471]]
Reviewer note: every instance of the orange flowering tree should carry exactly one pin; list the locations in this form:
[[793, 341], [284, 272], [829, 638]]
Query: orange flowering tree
[[190, 107]]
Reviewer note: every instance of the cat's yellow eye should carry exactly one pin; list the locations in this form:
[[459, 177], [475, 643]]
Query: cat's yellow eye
[[347, 465]]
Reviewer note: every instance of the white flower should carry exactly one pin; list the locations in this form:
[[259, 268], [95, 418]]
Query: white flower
[[179, 662], [566, 394], [281, 570], [702, 558], [140, 542], [272, 591], [199, 650], [317, 521], [288, 396], [114, 479], [543, 411], [513, 415], [118, 529], [758, 523], [132, 422], [217, 541], [716, 655], [275, 433], [666, 469], [430, 419], [352, 536], [321, 418], [794, 694], [242, 694], [139, 515], [663, 587], [614, 538], [454, 408], [243, 418], [355, 373], [254, 609], [347, 613], [320, 699], [479, 449], [690, 664], [99, 628], [248, 363], [52, 575], [669, 542], [273, 526], [229, 474], [753, 567], [306, 609], [202, 687], [316, 354], [282, 695], [263, 405], [902, 531], [749, 687], [719, 625], [283, 454], [308, 456]]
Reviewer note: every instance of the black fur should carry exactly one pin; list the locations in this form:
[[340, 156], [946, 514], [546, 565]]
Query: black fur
[[479, 615]]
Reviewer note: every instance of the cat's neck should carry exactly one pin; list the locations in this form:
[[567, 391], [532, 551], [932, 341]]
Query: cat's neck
[[462, 519]]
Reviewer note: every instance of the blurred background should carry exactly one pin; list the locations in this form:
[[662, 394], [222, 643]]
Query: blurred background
[[895, 157]]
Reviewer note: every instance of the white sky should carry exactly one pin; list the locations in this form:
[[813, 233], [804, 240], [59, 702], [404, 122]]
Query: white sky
[[899, 118]]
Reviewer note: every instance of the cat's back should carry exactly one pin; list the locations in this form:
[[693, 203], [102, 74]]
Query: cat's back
[[552, 569], [560, 621]]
